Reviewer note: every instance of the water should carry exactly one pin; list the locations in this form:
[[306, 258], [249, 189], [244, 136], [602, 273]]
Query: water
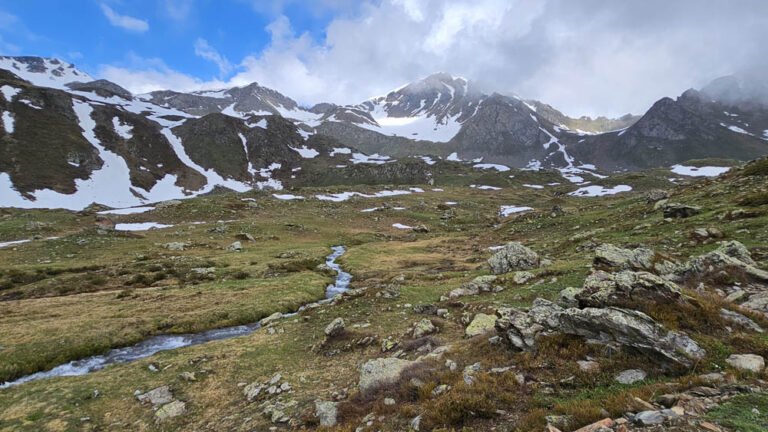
[[159, 343]]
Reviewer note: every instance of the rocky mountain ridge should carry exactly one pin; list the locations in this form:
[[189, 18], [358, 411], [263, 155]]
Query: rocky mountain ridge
[[168, 144]]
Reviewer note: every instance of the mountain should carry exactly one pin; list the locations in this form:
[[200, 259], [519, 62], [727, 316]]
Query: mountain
[[693, 126], [68, 140]]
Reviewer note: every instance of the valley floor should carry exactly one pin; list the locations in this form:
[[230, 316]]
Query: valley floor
[[89, 290]]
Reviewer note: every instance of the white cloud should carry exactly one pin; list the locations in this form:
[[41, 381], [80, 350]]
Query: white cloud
[[204, 50], [590, 57], [124, 21], [178, 10]]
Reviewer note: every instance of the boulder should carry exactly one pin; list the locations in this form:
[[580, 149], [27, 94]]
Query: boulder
[[270, 319], [326, 412], [170, 410], [741, 320], [609, 325], [423, 328], [482, 323], [474, 287], [747, 362], [678, 211], [158, 396], [235, 247], [728, 255], [605, 289], [522, 277], [175, 246], [611, 256], [630, 376], [420, 229], [379, 372], [514, 256], [335, 328]]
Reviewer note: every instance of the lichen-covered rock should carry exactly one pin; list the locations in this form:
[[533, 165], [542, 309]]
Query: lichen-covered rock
[[730, 254], [482, 323], [522, 277], [158, 396], [423, 328], [616, 257], [514, 256], [171, 410], [335, 328], [599, 325], [378, 372], [605, 289], [326, 413], [270, 319], [474, 287]]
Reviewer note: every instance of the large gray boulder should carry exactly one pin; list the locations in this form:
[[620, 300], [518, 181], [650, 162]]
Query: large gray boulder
[[381, 371], [748, 362], [514, 256], [598, 325], [158, 396], [326, 413], [728, 255], [606, 289], [616, 257]]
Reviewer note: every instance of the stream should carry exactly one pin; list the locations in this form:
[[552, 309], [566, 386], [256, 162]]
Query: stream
[[159, 343]]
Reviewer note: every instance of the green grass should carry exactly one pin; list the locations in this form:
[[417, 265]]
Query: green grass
[[743, 413]]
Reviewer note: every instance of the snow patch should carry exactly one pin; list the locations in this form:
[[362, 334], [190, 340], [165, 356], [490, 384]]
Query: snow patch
[[706, 171], [401, 226], [305, 152], [340, 150], [508, 210], [122, 129], [140, 226], [127, 211], [596, 191], [8, 122], [453, 157], [735, 129], [9, 92], [533, 186], [497, 167], [288, 197], [485, 187]]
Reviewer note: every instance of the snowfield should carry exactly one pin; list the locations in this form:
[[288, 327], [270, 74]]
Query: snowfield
[[705, 171], [596, 191]]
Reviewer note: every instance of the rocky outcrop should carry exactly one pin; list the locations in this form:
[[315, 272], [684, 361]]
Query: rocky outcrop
[[610, 325], [605, 289], [679, 211], [379, 372], [514, 256], [729, 255]]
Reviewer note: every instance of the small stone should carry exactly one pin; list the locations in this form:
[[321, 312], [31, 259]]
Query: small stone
[[235, 247], [188, 376], [588, 366], [648, 418], [749, 362], [630, 376], [389, 401]]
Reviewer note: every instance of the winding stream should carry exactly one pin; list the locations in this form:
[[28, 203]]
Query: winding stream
[[159, 343]]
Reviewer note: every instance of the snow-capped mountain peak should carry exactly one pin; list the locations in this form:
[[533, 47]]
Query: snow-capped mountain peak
[[44, 72]]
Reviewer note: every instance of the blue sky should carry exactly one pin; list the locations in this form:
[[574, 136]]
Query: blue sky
[[585, 57], [79, 31]]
